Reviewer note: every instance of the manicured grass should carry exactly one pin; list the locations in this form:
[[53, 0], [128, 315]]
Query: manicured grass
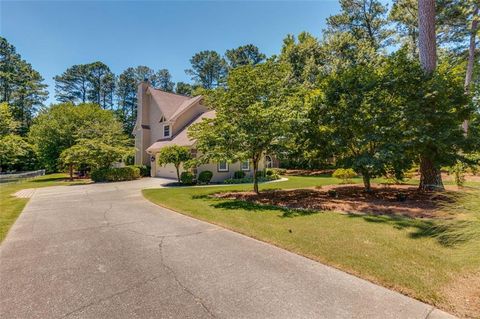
[[11, 206], [419, 257]]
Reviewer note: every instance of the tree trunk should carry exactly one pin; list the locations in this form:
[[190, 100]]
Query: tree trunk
[[430, 175], [178, 172], [366, 182], [427, 43], [471, 56], [70, 168], [255, 177]]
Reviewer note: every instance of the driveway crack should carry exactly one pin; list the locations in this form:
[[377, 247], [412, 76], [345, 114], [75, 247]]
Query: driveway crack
[[93, 303], [197, 299]]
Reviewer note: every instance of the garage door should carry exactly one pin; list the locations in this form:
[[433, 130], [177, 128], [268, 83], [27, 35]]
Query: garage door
[[167, 171]]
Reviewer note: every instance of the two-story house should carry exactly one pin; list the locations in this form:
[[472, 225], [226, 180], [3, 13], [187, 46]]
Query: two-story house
[[163, 118]]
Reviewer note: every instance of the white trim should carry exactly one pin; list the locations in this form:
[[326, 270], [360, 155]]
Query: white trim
[[248, 165], [222, 169]]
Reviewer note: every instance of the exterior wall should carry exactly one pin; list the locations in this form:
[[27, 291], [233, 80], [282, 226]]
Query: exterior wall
[[156, 128], [142, 132], [170, 172]]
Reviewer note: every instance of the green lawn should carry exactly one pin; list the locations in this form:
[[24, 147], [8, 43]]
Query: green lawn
[[11, 206], [419, 257]]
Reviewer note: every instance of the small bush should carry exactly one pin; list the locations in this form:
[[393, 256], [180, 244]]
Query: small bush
[[345, 174], [186, 178], [205, 177], [332, 193], [260, 174], [458, 170], [269, 172], [279, 171], [144, 170], [116, 174], [239, 174]]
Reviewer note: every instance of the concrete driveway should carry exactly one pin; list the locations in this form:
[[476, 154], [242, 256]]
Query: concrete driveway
[[103, 251]]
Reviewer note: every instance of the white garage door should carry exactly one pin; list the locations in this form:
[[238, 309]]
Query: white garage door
[[167, 171]]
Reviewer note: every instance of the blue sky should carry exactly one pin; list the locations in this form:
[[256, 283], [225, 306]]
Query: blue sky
[[53, 35]]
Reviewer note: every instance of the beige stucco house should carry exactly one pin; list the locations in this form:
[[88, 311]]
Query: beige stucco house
[[163, 119]]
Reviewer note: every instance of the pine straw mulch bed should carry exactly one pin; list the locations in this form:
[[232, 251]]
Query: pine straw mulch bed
[[402, 200]]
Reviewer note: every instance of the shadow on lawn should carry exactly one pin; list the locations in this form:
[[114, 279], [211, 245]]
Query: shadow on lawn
[[447, 233], [249, 206]]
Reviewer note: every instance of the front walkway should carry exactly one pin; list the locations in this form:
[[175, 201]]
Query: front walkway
[[103, 251]]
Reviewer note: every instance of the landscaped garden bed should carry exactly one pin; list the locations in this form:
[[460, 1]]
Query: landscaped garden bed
[[403, 200]]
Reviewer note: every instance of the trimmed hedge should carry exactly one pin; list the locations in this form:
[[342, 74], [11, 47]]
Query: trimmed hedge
[[239, 174], [186, 178], [205, 177], [116, 174], [144, 170]]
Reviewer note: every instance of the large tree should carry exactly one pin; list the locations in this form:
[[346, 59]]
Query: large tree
[[93, 82], [63, 125], [208, 69], [20, 85], [244, 55], [430, 175], [365, 19], [184, 88], [165, 80], [264, 110]]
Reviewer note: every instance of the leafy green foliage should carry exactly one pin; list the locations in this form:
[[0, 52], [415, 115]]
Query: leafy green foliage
[[116, 174], [187, 178], [63, 125], [364, 19], [183, 88], [264, 111], [205, 177], [244, 55], [174, 154], [458, 171], [144, 170], [21, 87], [208, 69], [8, 125], [93, 82], [16, 154], [239, 174], [345, 174]]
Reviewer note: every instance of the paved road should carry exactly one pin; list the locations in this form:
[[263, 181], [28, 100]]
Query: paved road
[[103, 251]]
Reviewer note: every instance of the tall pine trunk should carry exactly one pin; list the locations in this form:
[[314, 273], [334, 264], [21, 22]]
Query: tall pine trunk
[[471, 56], [430, 177], [255, 173]]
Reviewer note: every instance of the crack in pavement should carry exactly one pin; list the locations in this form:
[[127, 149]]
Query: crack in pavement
[[118, 293], [197, 299], [175, 235]]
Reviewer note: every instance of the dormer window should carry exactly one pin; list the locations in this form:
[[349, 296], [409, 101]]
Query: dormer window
[[166, 130]]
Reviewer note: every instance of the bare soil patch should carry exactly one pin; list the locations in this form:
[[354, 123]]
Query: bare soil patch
[[402, 200]]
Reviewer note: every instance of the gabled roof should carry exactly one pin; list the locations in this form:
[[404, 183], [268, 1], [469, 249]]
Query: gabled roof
[[170, 103], [181, 138]]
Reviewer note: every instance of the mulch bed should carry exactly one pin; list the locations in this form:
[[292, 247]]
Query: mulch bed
[[383, 200]]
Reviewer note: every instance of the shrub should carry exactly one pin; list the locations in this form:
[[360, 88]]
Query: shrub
[[345, 174], [458, 170], [279, 171], [332, 193], [116, 174], [260, 174], [269, 172], [186, 178], [205, 177], [239, 174], [144, 170]]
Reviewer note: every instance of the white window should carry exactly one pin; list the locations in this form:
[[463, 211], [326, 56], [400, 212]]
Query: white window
[[166, 131], [245, 165], [222, 166]]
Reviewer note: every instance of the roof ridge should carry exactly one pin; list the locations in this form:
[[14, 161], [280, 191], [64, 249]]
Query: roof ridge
[[172, 93]]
